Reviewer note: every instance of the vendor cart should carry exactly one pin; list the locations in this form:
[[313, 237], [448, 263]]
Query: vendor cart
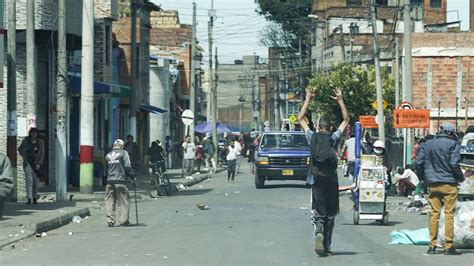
[[371, 195], [369, 192]]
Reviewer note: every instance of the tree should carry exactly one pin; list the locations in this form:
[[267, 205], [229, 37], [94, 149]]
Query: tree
[[359, 91]]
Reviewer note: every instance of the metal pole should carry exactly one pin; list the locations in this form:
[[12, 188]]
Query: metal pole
[[61, 140], [192, 75], [214, 111], [467, 95], [11, 90], [407, 44], [30, 63], [87, 99], [351, 32], [439, 113], [145, 66], [133, 71], [397, 76], [378, 79]]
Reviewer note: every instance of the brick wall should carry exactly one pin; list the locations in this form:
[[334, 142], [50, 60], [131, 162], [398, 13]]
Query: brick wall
[[106, 9], [102, 55], [450, 39], [46, 14]]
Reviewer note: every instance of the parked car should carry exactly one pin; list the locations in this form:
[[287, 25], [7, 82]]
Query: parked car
[[281, 155]]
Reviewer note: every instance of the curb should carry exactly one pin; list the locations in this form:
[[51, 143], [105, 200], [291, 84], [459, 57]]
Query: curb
[[56, 222]]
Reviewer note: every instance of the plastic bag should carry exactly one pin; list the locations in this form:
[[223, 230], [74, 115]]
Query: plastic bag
[[463, 225]]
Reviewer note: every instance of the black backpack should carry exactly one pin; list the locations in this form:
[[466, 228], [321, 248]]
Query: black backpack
[[323, 156]]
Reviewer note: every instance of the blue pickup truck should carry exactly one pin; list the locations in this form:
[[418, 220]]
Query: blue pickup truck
[[281, 156]]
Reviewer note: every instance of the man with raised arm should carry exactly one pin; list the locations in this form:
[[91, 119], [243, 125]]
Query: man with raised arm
[[323, 170]]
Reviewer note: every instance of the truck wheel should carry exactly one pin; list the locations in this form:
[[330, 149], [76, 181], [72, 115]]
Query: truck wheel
[[259, 181], [355, 217]]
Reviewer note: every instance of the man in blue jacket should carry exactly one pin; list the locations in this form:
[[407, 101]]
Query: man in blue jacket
[[439, 160]]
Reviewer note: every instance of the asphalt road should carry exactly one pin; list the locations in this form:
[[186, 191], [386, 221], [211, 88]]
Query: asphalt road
[[243, 226]]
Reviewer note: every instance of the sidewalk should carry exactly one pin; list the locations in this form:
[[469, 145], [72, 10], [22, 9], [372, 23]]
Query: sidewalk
[[21, 221]]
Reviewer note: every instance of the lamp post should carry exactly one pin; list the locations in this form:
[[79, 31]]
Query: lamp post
[[318, 20]]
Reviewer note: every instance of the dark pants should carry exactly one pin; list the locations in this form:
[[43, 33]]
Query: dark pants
[[325, 206], [231, 169]]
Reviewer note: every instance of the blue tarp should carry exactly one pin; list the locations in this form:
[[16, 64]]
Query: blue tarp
[[410, 237], [206, 128]]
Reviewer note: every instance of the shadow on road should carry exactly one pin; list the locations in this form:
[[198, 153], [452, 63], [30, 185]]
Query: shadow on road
[[286, 186], [344, 253], [193, 192], [372, 223]]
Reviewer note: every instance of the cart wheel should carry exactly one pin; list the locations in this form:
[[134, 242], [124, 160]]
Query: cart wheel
[[384, 220], [355, 216]]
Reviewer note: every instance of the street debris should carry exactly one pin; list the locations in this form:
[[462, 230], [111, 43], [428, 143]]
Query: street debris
[[202, 206], [165, 257], [181, 187], [463, 225], [410, 237], [76, 219], [12, 246], [47, 198], [191, 214], [236, 192], [226, 194], [70, 233], [199, 186], [22, 231], [44, 234]]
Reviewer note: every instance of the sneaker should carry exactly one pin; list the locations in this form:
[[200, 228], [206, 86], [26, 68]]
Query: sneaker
[[28, 202], [35, 201], [451, 251], [431, 250], [319, 244]]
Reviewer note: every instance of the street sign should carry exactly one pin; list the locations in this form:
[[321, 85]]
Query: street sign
[[292, 119], [187, 117], [368, 121], [384, 104], [405, 105], [411, 118]]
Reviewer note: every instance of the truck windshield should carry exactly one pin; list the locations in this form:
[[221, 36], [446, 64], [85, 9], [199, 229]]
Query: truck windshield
[[284, 141]]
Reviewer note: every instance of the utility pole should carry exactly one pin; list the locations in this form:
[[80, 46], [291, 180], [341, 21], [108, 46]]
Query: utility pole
[[145, 61], [341, 41], [61, 139], [214, 110], [87, 99], [351, 40], [397, 76], [378, 79], [11, 90], [212, 88], [407, 72], [133, 70], [192, 75], [30, 63]]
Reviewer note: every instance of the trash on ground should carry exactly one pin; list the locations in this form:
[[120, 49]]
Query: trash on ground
[[70, 233], [191, 214], [463, 225], [22, 231], [200, 186], [44, 234], [181, 187], [12, 246], [76, 219], [236, 192], [304, 208], [165, 257], [410, 237], [226, 194], [16, 234], [202, 206]]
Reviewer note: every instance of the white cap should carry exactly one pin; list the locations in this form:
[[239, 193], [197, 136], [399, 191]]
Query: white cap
[[379, 144], [118, 144]]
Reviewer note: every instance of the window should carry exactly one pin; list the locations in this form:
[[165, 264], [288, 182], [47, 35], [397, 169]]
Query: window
[[108, 44], [416, 2], [354, 2], [435, 3], [381, 2]]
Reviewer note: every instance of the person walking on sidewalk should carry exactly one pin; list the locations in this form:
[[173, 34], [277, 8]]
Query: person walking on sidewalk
[[238, 145], [119, 174], [232, 153], [189, 155], [133, 151], [6, 181], [324, 190], [349, 147], [32, 151], [169, 145], [209, 150], [439, 159]]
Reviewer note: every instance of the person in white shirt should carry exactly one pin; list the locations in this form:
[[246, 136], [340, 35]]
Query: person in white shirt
[[239, 152], [189, 156], [405, 179], [232, 153]]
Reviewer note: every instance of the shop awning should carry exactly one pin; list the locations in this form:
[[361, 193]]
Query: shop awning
[[152, 109], [99, 87]]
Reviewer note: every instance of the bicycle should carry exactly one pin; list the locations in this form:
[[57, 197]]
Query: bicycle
[[161, 183]]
